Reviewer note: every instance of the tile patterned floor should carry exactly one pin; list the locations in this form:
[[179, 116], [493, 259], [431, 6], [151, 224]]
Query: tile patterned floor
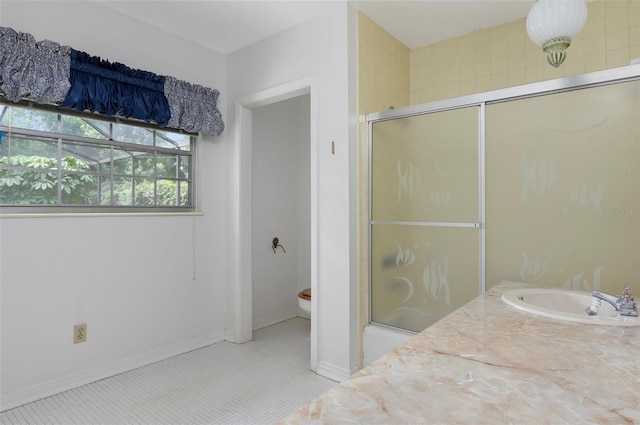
[[254, 383]]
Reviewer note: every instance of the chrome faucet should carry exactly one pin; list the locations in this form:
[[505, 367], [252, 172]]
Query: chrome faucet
[[624, 305]]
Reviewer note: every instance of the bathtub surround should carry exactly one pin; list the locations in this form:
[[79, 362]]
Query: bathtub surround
[[492, 58], [490, 363], [379, 340], [439, 225]]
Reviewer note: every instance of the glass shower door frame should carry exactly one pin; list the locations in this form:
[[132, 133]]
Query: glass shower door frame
[[479, 224], [611, 76]]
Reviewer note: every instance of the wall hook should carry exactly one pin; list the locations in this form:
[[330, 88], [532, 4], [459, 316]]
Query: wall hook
[[275, 244]]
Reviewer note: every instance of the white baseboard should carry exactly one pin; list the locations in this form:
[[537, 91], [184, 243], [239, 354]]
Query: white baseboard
[[273, 318], [332, 372], [55, 386]]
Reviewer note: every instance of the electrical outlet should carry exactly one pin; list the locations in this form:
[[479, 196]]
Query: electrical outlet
[[80, 333]]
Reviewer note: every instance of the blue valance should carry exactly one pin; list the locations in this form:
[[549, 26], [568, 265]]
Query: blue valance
[[48, 73], [115, 89]]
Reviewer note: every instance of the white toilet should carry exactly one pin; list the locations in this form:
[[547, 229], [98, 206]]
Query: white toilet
[[304, 301]]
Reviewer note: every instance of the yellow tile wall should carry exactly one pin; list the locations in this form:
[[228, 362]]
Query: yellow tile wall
[[389, 74], [504, 56], [383, 68], [383, 81]]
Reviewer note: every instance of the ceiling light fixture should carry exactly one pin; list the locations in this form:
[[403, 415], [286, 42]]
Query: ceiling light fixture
[[552, 24]]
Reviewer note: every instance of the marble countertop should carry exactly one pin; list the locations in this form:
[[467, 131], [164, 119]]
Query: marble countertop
[[486, 363]]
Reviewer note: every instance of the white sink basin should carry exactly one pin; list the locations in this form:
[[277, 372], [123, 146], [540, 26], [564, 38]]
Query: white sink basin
[[561, 304]]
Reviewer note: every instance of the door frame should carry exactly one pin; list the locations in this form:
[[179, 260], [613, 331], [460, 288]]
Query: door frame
[[242, 269]]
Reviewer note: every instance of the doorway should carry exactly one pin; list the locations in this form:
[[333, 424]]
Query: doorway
[[242, 264], [280, 226]]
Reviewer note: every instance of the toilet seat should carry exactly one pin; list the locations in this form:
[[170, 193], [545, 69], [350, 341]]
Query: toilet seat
[[305, 294], [304, 301]]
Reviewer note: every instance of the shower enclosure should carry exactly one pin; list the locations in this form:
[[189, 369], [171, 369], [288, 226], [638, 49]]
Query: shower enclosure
[[538, 184]]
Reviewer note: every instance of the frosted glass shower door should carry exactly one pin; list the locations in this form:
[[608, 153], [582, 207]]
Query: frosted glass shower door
[[425, 239], [563, 189]]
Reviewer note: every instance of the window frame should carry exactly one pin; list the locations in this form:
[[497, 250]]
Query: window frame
[[154, 150]]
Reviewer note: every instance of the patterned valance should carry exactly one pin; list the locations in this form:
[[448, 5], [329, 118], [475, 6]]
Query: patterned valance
[[38, 71], [189, 110], [48, 73]]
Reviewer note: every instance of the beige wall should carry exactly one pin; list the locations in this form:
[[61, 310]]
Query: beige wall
[[504, 56]]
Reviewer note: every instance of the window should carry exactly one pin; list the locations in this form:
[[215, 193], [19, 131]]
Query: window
[[53, 161]]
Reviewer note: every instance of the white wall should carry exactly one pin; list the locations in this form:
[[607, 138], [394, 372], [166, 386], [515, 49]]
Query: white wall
[[322, 49], [280, 208], [147, 287], [141, 300]]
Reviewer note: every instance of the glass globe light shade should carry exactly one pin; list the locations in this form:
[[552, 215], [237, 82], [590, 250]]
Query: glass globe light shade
[[552, 24]]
